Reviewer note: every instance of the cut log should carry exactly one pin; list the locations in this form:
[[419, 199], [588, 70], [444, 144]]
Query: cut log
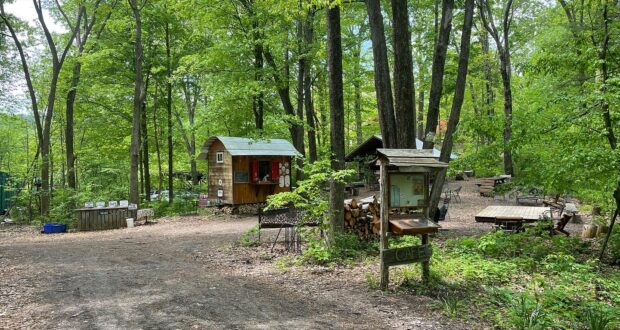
[[353, 204], [589, 231]]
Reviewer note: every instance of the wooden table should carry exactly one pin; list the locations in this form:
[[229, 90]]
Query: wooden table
[[503, 213]]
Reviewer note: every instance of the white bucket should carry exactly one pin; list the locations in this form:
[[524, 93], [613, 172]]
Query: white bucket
[[129, 222]]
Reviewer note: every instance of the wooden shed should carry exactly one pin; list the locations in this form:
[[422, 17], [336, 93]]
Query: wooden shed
[[246, 171]]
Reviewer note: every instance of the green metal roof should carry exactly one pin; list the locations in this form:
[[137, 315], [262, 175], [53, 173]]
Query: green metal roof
[[238, 146]]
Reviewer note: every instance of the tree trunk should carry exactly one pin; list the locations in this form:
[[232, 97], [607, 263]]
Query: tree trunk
[[258, 98], [308, 102], [301, 68], [169, 115], [503, 48], [191, 92], [404, 91], [457, 103], [160, 173], [285, 95], [420, 131], [357, 91], [138, 99], [145, 144], [69, 132], [44, 124], [383, 85], [439, 61], [505, 71], [81, 40], [336, 106], [607, 119], [488, 78]]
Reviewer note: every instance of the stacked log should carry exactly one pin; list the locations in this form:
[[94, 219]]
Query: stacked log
[[362, 218]]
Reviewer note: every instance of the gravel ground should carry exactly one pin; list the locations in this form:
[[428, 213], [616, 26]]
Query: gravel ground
[[189, 272], [184, 273]]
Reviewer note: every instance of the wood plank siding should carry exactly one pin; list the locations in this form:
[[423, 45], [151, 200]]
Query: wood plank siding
[[248, 192], [220, 171], [102, 218]]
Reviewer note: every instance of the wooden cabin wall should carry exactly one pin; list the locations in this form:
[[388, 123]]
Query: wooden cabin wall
[[247, 192], [220, 171]]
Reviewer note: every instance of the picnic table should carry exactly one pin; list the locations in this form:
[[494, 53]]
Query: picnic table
[[512, 217]]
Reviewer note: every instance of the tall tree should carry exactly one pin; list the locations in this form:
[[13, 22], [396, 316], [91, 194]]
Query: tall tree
[[144, 142], [138, 99], [439, 62], [404, 91], [43, 121], [169, 101], [191, 94], [457, 102], [383, 85], [502, 43], [308, 31], [336, 110], [82, 36]]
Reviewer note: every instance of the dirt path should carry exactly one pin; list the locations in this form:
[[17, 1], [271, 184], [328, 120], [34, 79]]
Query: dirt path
[[181, 274]]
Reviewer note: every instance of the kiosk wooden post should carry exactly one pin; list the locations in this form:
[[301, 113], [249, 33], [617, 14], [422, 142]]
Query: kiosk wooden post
[[385, 244], [404, 182]]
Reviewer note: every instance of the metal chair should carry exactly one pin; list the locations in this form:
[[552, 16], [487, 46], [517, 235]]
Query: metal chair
[[456, 193]]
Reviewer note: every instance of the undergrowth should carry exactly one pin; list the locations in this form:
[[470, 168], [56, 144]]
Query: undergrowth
[[527, 280]]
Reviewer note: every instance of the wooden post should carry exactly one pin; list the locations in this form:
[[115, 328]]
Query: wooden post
[[385, 207], [425, 264]]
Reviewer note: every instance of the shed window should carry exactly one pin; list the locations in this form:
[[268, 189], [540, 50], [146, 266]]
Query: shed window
[[219, 157]]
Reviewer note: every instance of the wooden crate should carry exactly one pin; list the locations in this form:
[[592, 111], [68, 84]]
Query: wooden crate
[[89, 219]]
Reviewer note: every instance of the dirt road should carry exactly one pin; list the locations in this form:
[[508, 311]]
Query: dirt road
[[179, 274]]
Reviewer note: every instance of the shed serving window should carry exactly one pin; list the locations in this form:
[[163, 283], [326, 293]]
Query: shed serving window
[[264, 171], [219, 157]]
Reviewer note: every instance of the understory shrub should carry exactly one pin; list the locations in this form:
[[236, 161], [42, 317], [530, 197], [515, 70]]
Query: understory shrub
[[527, 280]]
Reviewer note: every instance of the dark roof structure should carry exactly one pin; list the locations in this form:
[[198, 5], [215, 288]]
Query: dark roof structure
[[411, 157], [370, 146]]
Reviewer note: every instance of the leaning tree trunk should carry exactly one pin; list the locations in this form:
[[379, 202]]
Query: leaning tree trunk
[[457, 103], [336, 106], [404, 91], [383, 85], [439, 61]]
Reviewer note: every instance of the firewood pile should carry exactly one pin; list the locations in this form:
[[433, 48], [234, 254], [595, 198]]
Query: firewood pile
[[362, 218]]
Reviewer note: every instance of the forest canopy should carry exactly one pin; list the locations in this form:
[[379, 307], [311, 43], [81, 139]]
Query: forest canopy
[[117, 98]]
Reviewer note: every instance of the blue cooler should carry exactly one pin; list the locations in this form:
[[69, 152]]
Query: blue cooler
[[53, 228]]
